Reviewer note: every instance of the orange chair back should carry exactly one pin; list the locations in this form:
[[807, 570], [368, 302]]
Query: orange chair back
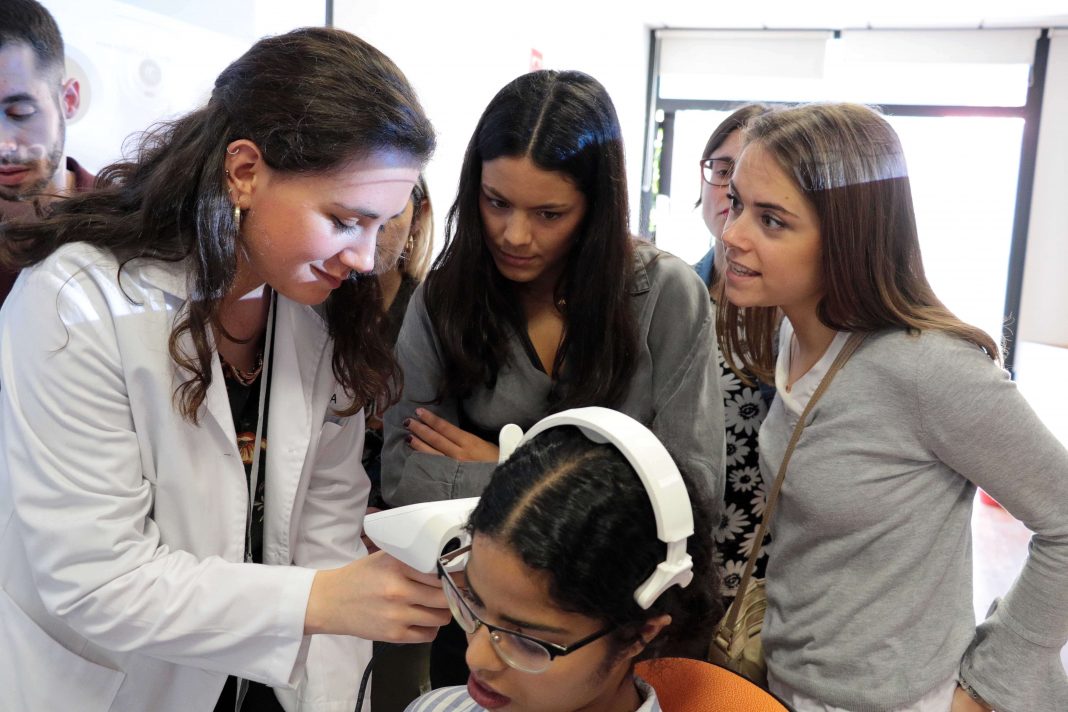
[[684, 685]]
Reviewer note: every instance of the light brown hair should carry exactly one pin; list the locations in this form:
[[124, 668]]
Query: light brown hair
[[416, 262], [848, 163]]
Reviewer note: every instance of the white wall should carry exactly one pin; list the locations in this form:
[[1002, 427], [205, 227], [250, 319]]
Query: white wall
[[1044, 302], [458, 55], [143, 61]]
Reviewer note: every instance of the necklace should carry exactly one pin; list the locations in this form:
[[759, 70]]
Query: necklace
[[241, 376], [794, 356], [245, 378]]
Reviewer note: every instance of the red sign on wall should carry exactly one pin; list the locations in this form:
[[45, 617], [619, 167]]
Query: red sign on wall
[[536, 60]]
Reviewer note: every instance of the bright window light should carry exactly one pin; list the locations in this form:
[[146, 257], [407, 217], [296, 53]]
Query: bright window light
[[963, 172]]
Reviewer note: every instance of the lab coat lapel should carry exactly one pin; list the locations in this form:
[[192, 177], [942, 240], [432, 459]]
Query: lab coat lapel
[[300, 340], [310, 339], [173, 278], [300, 355], [217, 405]]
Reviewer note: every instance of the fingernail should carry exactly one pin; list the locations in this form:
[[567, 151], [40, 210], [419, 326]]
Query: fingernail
[[408, 439], [407, 422], [420, 412]]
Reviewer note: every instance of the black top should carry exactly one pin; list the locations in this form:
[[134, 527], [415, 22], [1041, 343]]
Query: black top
[[244, 406]]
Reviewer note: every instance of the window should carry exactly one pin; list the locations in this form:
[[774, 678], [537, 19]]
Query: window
[[958, 100]]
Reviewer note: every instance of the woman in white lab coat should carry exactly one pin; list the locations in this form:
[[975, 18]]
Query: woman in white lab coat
[[164, 529]]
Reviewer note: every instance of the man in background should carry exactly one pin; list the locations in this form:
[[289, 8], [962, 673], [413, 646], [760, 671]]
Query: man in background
[[35, 103]]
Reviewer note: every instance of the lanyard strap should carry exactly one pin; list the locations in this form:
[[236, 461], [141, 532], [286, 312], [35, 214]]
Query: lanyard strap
[[851, 345], [265, 380]]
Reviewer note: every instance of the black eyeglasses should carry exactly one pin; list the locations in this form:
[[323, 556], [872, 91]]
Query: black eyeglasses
[[717, 171], [519, 651]]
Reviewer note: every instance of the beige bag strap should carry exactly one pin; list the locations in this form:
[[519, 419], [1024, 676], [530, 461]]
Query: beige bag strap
[[851, 345]]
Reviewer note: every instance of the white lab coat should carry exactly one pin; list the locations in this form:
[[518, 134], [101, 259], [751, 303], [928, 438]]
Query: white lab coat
[[122, 525]]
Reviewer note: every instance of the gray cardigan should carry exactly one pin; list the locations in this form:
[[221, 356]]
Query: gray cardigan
[[675, 389], [869, 579]]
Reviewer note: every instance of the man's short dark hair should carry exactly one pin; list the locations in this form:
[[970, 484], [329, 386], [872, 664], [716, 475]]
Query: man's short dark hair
[[29, 22]]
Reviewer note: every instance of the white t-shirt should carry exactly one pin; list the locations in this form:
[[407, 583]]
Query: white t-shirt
[[456, 699], [797, 396], [939, 699]]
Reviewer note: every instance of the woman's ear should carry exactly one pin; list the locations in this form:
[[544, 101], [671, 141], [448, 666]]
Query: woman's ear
[[244, 165], [647, 634]]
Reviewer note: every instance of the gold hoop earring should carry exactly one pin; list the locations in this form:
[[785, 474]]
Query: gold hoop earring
[[406, 254], [237, 215]]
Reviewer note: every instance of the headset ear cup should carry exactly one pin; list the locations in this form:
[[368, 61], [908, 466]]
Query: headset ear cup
[[508, 440], [660, 476], [676, 570]]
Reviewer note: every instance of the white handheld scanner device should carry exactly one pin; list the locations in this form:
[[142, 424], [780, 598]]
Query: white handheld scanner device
[[418, 534]]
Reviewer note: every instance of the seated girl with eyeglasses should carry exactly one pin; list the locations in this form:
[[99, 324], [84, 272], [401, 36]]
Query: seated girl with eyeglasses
[[561, 540]]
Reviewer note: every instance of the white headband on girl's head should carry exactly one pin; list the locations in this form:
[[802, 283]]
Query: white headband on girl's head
[[658, 472]]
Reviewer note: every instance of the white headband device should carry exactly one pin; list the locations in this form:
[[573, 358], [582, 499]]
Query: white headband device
[[658, 472]]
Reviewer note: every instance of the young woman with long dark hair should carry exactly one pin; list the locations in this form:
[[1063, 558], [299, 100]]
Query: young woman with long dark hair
[[745, 399], [541, 300], [184, 361]]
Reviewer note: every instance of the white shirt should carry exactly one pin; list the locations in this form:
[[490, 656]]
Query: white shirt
[[797, 395], [456, 699], [937, 700]]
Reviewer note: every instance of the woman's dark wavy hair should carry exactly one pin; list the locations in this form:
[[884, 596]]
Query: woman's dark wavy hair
[[578, 511], [312, 100], [563, 122]]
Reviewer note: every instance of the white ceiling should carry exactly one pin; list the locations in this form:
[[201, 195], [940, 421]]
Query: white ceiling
[[845, 14]]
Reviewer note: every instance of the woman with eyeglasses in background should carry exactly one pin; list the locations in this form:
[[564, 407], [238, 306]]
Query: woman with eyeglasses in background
[[562, 538], [717, 162], [745, 399]]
